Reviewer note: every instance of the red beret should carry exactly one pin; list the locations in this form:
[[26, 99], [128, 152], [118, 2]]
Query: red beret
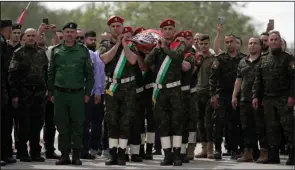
[[138, 30], [188, 33], [179, 34], [115, 19], [127, 29], [167, 22]]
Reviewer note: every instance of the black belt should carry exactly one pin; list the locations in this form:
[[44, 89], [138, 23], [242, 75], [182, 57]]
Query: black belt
[[68, 90]]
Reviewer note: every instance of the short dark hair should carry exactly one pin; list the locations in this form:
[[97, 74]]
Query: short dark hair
[[90, 34], [204, 37], [230, 35], [264, 33], [260, 40], [239, 38]]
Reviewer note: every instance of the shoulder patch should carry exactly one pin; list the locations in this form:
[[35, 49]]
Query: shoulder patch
[[215, 64]]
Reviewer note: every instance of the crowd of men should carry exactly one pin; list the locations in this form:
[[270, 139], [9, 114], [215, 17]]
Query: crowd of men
[[121, 99]]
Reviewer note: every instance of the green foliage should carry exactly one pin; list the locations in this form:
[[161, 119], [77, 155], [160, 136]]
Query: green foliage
[[196, 16]]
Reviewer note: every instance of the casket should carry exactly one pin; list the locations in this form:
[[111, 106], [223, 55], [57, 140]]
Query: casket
[[146, 40]]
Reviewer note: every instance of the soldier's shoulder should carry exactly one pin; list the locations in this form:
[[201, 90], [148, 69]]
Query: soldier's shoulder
[[222, 54], [2, 40], [55, 46], [19, 49], [265, 53], [286, 53], [243, 54], [82, 46]]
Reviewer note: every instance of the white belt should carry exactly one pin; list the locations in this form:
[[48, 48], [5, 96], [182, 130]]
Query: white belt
[[148, 86], [122, 81], [169, 85], [193, 90], [139, 90], [185, 88]]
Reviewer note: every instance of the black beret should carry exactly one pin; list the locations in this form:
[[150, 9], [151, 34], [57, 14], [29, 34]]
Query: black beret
[[6, 23], [90, 34], [71, 25], [16, 26]]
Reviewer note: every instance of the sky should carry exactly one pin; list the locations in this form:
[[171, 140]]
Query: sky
[[261, 12]]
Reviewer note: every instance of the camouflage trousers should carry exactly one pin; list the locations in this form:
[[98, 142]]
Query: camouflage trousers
[[204, 117], [185, 115], [225, 116], [31, 120], [276, 112], [137, 122], [252, 121], [120, 110], [168, 112]]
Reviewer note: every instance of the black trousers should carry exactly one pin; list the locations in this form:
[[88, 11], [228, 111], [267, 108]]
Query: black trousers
[[49, 128]]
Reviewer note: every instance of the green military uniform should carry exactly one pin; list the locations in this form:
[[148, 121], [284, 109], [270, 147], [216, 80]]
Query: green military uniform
[[138, 119], [221, 85], [186, 97], [70, 70], [167, 89], [120, 100], [275, 79], [27, 79], [252, 120]]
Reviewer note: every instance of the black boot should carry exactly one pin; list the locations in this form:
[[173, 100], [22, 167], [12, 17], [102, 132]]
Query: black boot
[[256, 153], [121, 160], [76, 157], [290, 160], [112, 160], [177, 159], [127, 159], [217, 153], [3, 163], [273, 156], [64, 159], [136, 158], [149, 151], [51, 155], [168, 159], [184, 158], [141, 151], [10, 160]]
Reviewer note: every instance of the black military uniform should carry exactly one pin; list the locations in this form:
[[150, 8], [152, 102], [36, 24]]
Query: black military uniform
[[275, 78], [27, 78], [221, 84], [6, 145]]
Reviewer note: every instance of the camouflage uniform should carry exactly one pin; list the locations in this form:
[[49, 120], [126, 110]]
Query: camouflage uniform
[[275, 78], [252, 120], [221, 84], [168, 90], [120, 104], [27, 79], [204, 109]]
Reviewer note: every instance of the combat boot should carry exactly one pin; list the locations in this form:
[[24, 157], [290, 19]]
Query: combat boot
[[210, 154], [203, 153], [190, 151], [256, 153], [121, 160], [177, 161], [263, 158], [127, 159], [168, 160], [76, 157], [247, 156], [217, 153], [136, 158], [112, 160], [273, 156], [290, 160], [149, 151], [184, 158], [64, 159]]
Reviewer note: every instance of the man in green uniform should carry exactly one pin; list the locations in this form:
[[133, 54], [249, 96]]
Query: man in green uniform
[[167, 57], [252, 120], [120, 99], [187, 72], [70, 70], [221, 85], [27, 77], [204, 109], [275, 79]]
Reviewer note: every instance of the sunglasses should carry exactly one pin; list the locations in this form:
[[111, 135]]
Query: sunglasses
[[80, 38]]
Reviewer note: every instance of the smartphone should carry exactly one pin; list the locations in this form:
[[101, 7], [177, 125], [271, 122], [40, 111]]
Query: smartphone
[[220, 20], [45, 21], [271, 23]]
